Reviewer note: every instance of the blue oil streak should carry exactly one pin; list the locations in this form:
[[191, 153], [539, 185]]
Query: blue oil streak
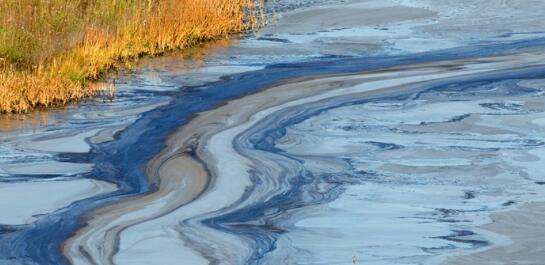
[[266, 212], [122, 161]]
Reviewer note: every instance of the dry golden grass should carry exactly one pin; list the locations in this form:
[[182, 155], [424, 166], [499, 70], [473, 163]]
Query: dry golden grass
[[50, 50]]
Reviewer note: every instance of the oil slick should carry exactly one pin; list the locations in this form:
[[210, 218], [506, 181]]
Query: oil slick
[[378, 141]]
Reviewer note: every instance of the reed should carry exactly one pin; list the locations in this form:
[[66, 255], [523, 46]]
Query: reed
[[51, 51]]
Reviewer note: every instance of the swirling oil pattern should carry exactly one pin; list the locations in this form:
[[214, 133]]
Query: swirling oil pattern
[[405, 136]]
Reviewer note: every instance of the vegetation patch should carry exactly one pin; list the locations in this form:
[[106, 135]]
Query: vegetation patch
[[52, 50]]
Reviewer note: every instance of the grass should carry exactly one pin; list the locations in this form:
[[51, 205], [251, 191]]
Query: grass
[[51, 51]]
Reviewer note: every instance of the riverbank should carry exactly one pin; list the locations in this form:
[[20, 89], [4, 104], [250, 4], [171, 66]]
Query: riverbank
[[52, 51]]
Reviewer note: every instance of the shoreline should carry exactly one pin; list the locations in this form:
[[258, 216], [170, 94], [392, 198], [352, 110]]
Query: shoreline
[[48, 74]]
